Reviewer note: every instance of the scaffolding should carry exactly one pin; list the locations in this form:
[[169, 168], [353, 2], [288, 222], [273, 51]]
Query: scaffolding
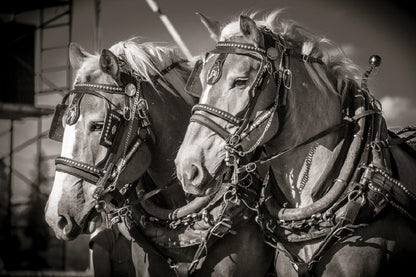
[[53, 35]]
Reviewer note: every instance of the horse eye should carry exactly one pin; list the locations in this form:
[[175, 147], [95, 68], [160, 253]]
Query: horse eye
[[240, 83], [96, 126]]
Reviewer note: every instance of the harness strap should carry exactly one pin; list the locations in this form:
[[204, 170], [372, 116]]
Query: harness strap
[[145, 243], [219, 113], [304, 58], [395, 192], [167, 70], [249, 167], [340, 230], [210, 124], [79, 169]]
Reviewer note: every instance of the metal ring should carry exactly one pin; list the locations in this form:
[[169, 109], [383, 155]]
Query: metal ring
[[250, 167]]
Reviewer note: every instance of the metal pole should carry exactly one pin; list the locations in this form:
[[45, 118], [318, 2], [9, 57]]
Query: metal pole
[[97, 28], [39, 154], [9, 187], [171, 29], [69, 70]]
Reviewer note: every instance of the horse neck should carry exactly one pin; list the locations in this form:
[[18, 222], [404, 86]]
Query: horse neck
[[169, 115], [309, 111]]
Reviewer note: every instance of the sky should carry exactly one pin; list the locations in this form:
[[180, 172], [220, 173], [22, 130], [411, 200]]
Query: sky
[[361, 28]]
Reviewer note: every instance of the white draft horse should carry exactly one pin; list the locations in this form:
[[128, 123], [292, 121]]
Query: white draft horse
[[339, 198]]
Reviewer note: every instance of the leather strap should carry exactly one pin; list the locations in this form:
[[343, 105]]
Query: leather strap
[[79, 169], [210, 124]]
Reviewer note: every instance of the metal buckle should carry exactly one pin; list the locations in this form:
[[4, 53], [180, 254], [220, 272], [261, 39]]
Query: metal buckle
[[127, 114], [287, 78], [234, 140], [143, 108], [216, 229], [250, 167], [229, 159]]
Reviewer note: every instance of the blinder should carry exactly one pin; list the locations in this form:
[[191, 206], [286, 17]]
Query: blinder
[[215, 72], [112, 124], [56, 132], [193, 85]]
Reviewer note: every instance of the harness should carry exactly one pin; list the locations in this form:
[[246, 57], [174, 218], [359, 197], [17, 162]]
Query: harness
[[273, 68], [354, 191], [197, 224], [134, 115]]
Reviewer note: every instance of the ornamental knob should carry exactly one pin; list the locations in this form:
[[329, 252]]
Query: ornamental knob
[[375, 60], [100, 206]]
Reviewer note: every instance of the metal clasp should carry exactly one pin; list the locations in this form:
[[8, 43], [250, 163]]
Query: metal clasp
[[142, 108], [215, 230], [250, 167], [127, 114], [287, 78], [233, 140]]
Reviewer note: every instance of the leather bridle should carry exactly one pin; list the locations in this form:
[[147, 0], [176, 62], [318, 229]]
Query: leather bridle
[[134, 117], [272, 68]]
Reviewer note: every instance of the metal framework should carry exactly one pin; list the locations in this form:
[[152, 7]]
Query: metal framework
[[54, 17]]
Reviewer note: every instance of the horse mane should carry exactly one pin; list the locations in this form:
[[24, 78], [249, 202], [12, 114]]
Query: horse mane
[[341, 69], [148, 59]]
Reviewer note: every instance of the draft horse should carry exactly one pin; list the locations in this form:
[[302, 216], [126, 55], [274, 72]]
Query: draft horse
[[120, 128], [339, 196]]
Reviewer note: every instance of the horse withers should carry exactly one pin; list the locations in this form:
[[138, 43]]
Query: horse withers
[[120, 128], [339, 196]]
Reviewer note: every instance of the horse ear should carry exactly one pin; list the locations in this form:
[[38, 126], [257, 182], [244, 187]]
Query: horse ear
[[109, 63], [77, 55], [250, 31], [213, 26]]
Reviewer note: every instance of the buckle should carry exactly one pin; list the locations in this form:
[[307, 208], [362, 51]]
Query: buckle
[[217, 231], [287, 78], [234, 140], [229, 159], [250, 167], [127, 114], [143, 108]]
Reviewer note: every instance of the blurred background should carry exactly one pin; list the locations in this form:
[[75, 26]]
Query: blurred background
[[35, 74]]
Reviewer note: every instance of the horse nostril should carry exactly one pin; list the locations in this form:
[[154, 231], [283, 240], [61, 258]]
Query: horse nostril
[[192, 173], [62, 222]]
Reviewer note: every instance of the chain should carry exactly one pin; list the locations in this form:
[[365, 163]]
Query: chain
[[308, 164]]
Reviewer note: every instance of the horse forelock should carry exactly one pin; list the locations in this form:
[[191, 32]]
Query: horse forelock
[[305, 42]]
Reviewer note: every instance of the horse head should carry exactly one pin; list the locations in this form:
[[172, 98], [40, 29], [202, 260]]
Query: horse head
[[121, 120], [261, 86]]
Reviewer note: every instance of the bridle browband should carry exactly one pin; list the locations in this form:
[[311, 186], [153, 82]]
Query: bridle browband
[[134, 113]]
